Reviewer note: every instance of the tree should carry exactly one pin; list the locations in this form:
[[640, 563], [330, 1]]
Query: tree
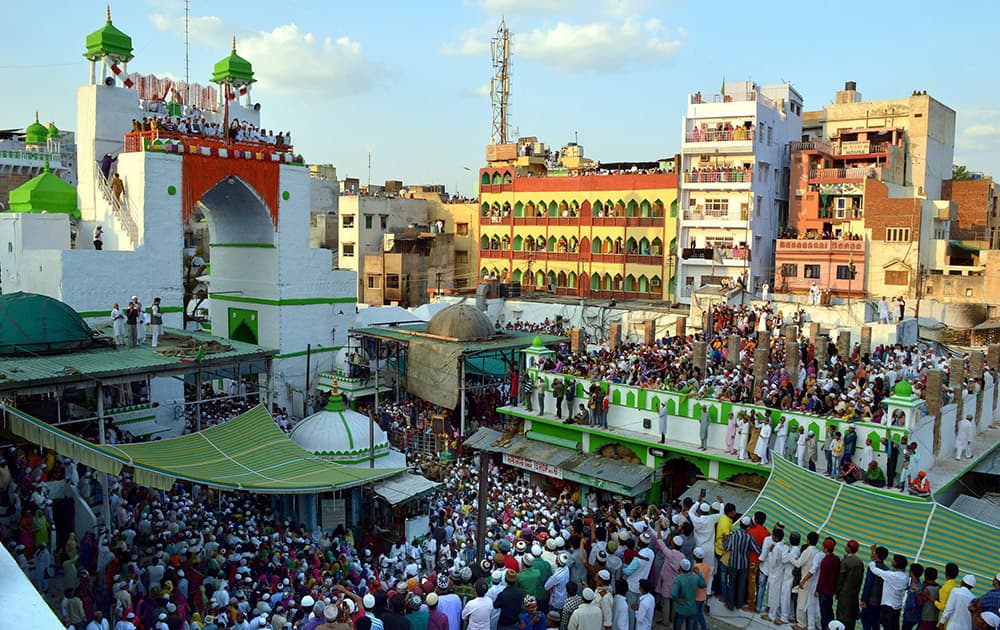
[[958, 172]]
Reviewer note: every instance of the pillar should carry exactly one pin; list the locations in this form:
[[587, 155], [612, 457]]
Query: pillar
[[576, 340], [976, 364], [935, 381], [822, 349], [614, 335], [763, 338], [734, 349], [866, 340], [813, 331], [680, 327], [760, 358], [649, 332], [698, 358], [956, 380], [792, 356], [791, 333], [844, 344]]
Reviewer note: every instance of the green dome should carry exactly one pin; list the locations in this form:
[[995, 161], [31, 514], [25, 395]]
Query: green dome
[[109, 42], [36, 132], [903, 388], [45, 193], [537, 342], [31, 323], [234, 70], [53, 131]]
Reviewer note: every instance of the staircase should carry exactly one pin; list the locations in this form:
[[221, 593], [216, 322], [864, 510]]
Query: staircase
[[119, 208]]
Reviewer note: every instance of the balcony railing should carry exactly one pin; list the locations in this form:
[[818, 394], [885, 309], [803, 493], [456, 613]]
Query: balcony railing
[[813, 145], [740, 134], [696, 253], [820, 246], [171, 141], [715, 215], [644, 259], [725, 176], [644, 221], [861, 172], [860, 147], [495, 219]]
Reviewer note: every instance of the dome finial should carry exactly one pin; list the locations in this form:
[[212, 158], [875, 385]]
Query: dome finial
[[234, 43], [46, 169], [36, 115], [108, 7], [334, 387]]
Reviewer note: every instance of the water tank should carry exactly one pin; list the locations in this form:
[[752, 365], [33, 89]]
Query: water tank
[[850, 85]]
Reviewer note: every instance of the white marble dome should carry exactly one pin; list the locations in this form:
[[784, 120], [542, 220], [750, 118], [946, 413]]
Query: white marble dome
[[338, 434]]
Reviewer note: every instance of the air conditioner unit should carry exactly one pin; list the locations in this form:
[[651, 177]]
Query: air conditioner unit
[[799, 192]]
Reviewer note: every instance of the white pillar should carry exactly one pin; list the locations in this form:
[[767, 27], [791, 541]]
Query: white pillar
[[93, 72]]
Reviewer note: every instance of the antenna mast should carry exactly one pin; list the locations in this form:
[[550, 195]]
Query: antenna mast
[[187, 53], [500, 84]]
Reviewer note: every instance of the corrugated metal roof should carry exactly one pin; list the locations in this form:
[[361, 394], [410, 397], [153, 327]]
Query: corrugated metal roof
[[636, 477], [978, 509], [509, 340], [85, 365]]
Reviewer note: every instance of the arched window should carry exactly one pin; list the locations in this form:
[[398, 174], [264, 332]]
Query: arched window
[[597, 246], [543, 208], [584, 245], [619, 282], [540, 278], [562, 246], [571, 280], [507, 179], [495, 243], [484, 243], [598, 209], [574, 244], [495, 209], [505, 211], [496, 178], [517, 276], [630, 283], [484, 273], [656, 247], [550, 279], [505, 243], [518, 209], [620, 208], [643, 246], [595, 282], [552, 244], [631, 246], [574, 208], [485, 180], [607, 282], [553, 209], [529, 209], [561, 279], [485, 210], [529, 244], [518, 243], [644, 208], [540, 243], [495, 272], [643, 284], [655, 283], [609, 245], [673, 209], [633, 208]]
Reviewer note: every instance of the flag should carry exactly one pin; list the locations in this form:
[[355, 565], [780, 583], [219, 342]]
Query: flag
[[201, 354], [723, 86], [717, 255]]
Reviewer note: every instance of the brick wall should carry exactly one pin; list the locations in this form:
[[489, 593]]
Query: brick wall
[[10, 181], [882, 212], [974, 198]]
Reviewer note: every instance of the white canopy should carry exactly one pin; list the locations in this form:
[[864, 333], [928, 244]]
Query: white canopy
[[405, 487]]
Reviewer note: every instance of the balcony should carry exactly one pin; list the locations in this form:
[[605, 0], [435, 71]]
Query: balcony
[[739, 134], [719, 176], [644, 221], [857, 173], [495, 219], [858, 147], [715, 216], [791, 245], [495, 188], [640, 259], [813, 145], [615, 259], [494, 253], [696, 253]]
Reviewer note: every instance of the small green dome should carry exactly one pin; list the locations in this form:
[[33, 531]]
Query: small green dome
[[234, 70], [903, 388], [109, 42], [45, 193], [537, 342], [53, 131], [36, 132]]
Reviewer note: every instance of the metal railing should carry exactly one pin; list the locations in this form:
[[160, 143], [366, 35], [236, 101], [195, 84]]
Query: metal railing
[[861, 172], [119, 207], [728, 176], [739, 134]]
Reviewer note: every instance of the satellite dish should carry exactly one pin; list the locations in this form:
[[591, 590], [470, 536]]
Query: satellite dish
[[109, 81]]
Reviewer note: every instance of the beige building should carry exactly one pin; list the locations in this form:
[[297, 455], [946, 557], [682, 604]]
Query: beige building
[[413, 263], [929, 128]]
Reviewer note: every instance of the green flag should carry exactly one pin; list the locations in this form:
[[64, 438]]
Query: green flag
[[201, 354]]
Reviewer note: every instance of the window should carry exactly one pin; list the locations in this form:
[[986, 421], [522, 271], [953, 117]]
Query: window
[[374, 282], [461, 257], [392, 281], [462, 229], [347, 221], [348, 250], [789, 270], [897, 235], [900, 278], [769, 135], [716, 207], [368, 221], [461, 283], [811, 271], [383, 221], [844, 272]]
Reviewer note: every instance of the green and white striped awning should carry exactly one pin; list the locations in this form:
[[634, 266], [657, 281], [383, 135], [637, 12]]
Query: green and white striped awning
[[920, 529], [248, 452]]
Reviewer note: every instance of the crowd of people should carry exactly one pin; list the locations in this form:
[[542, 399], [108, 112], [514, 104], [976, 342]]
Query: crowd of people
[[710, 174], [191, 559], [238, 131]]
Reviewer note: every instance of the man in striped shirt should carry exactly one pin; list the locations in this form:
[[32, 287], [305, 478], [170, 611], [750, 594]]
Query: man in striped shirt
[[739, 543]]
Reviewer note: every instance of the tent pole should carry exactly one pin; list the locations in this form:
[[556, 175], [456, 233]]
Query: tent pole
[[374, 413], [101, 440], [484, 469], [197, 399], [461, 399]]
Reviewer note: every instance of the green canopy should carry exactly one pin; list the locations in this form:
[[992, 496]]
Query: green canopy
[[33, 323], [248, 452], [109, 42], [234, 70], [922, 530]]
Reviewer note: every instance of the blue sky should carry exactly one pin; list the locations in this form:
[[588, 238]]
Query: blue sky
[[407, 80]]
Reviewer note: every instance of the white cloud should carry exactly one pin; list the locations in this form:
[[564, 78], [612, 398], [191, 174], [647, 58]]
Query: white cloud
[[286, 59], [601, 46], [982, 131], [471, 42], [483, 90]]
